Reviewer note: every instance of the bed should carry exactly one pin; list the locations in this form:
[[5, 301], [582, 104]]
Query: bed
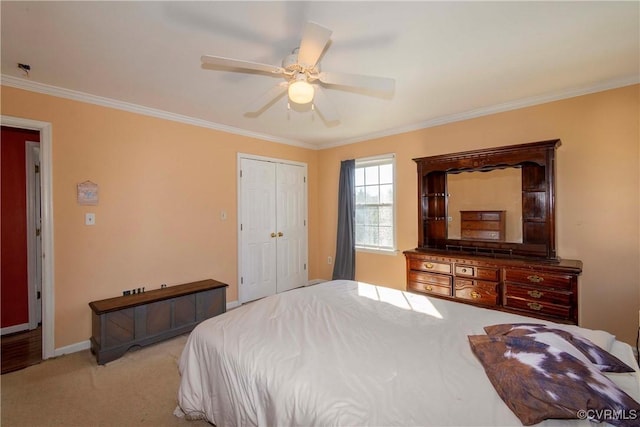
[[351, 353]]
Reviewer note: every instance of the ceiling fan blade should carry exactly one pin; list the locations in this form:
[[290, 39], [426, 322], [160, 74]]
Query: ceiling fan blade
[[314, 40], [378, 84], [267, 98], [325, 107], [238, 63]]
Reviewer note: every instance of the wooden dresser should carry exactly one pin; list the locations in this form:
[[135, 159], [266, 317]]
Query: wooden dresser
[[121, 323], [483, 267], [542, 289], [483, 225]]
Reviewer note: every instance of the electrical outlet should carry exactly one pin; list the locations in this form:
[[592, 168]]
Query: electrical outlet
[[329, 260]]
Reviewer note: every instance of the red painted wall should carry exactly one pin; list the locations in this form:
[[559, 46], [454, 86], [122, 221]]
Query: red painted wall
[[14, 303]]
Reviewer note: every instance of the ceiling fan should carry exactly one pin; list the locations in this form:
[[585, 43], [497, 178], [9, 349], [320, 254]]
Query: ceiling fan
[[302, 73]]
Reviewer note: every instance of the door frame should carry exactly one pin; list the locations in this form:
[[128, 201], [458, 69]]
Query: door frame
[[46, 188], [240, 156], [34, 263]]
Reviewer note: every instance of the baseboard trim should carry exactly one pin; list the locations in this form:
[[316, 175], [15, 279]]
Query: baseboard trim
[[315, 282], [232, 304], [15, 328], [73, 348]]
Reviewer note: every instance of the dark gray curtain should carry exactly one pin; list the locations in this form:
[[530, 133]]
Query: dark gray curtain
[[344, 266]]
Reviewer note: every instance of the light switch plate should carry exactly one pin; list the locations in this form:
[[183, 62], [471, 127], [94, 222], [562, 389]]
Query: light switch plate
[[89, 219]]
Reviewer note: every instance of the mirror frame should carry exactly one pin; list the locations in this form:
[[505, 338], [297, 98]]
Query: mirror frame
[[537, 163]]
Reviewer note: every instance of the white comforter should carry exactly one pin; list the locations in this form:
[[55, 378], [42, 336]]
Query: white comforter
[[349, 353]]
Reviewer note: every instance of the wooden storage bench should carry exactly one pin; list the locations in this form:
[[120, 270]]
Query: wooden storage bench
[[121, 323]]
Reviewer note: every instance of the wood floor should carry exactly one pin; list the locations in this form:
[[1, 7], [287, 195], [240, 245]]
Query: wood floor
[[21, 349]]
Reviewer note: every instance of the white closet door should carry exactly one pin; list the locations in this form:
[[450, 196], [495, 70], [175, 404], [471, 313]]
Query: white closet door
[[258, 223], [273, 228], [291, 222]]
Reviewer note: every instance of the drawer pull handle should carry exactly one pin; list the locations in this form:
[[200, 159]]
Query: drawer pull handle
[[535, 279], [475, 295], [428, 265], [535, 306], [428, 288], [535, 294]]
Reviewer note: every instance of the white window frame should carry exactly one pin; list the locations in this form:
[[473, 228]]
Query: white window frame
[[377, 160]]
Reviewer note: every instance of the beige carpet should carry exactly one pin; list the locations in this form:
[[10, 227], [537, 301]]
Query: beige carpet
[[138, 389]]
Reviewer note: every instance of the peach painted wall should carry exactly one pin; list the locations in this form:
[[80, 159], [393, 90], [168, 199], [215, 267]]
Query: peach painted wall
[[598, 192], [162, 187]]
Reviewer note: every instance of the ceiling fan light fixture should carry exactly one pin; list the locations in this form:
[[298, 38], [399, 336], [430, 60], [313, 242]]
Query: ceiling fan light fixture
[[301, 91]]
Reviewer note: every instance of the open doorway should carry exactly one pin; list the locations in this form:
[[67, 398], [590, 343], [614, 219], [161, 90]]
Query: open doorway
[[20, 248], [39, 258]]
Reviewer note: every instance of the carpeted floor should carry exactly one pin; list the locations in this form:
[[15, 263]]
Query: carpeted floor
[[138, 389]]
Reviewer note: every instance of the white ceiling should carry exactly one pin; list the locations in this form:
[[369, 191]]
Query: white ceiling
[[450, 60]]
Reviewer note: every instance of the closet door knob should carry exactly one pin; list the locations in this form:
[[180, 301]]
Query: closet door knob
[[280, 234], [273, 234]]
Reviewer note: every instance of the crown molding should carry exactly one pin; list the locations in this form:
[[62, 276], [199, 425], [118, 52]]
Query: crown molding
[[494, 109], [484, 111], [45, 89]]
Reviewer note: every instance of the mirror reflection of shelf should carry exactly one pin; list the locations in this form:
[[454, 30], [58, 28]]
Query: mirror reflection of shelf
[[483, 225]]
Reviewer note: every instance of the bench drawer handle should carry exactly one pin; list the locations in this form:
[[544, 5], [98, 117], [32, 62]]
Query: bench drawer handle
[[428, 288], [535, 279], [475, 295], [428, 265]]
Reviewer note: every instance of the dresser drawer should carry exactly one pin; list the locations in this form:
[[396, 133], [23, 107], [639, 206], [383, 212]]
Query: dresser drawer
[[481, 215], [426, 265], [477, 291], [538, 307], [430, 283], [538, 278], [477, 272], [429, 288], [482, 225], [481, 234], [541, 295], [438, 279]]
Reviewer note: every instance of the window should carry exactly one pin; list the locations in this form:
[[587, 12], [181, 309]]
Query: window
[[375, 208]]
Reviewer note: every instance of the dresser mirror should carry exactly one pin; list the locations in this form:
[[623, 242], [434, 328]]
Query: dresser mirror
[[485, 191], [497, 201]]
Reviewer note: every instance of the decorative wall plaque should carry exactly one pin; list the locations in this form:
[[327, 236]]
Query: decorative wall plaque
[[87, 193]]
